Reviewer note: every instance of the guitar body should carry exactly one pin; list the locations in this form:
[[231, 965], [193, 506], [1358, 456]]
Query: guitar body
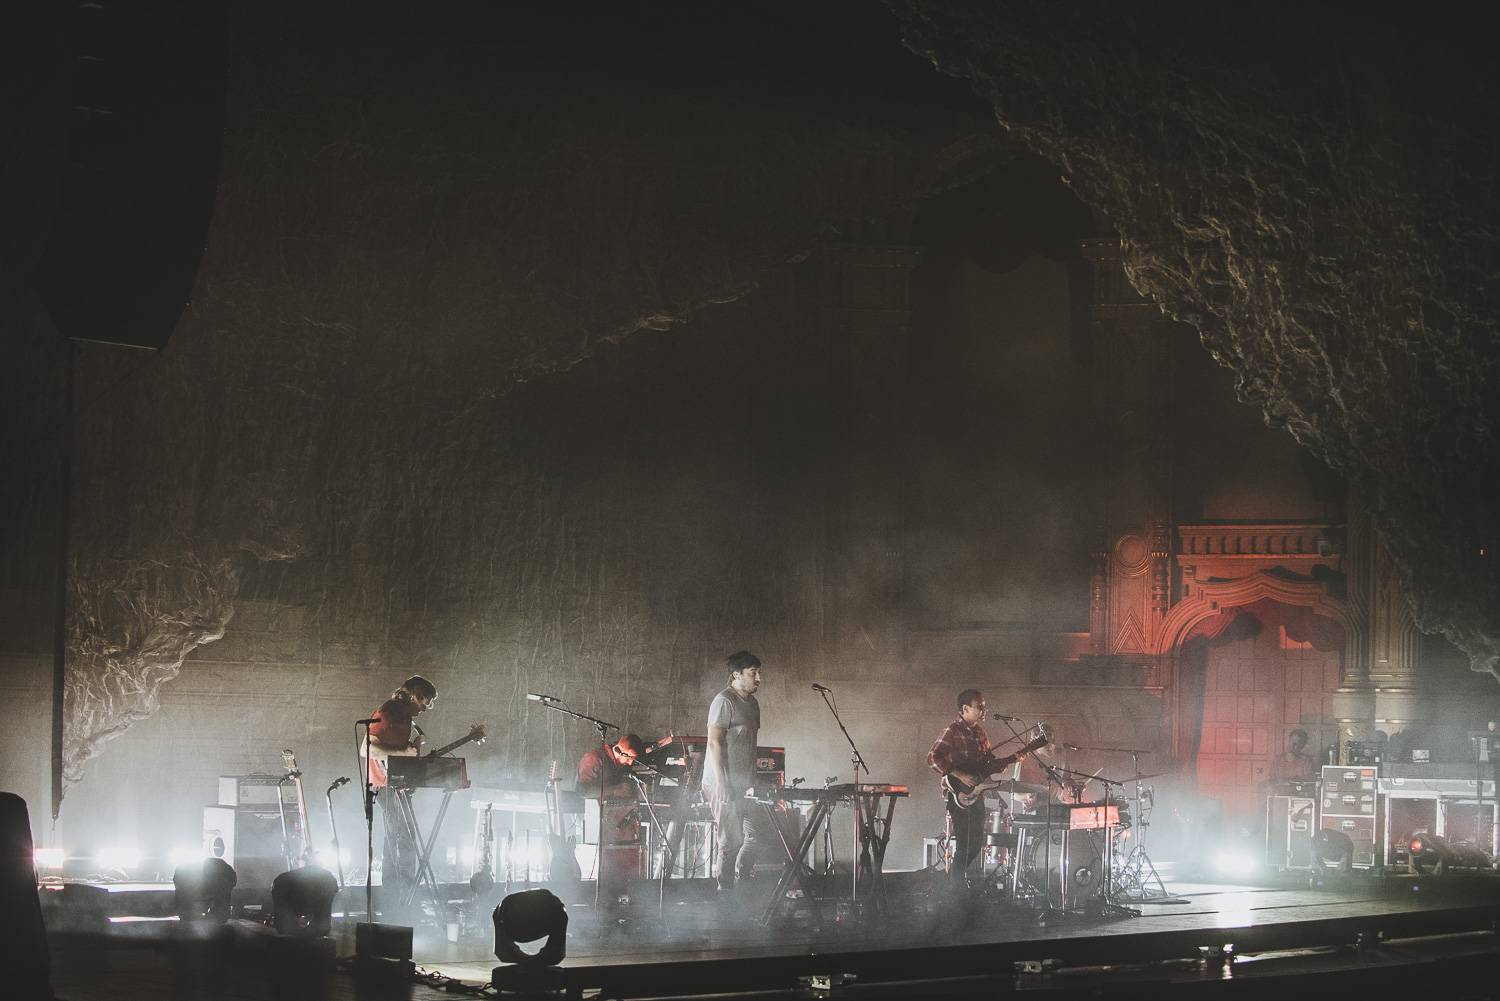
[[966, 795]]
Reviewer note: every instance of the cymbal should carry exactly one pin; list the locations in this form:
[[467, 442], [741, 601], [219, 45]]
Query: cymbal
[[1019, 788], [1142, 778]]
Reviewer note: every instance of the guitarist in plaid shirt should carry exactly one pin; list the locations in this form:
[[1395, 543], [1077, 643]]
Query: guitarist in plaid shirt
[[963, 751]]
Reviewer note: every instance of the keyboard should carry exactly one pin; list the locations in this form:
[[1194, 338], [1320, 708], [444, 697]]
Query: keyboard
[[522, 800], [842, 791], [428, 773], [1078, 817]]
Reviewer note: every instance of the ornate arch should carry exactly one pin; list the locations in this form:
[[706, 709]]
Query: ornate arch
[[1217, 597]]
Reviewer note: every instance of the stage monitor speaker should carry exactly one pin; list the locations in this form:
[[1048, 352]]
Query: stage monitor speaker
[[249, 840], [144, 111], [23, 937]]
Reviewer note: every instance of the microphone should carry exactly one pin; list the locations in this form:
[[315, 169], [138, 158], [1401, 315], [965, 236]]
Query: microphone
[[367, 722], [1008, 719], [534, 697], [820, 688], [342, 780]]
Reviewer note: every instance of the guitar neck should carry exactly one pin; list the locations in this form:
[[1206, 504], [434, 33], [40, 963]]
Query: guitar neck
[[460, 742]]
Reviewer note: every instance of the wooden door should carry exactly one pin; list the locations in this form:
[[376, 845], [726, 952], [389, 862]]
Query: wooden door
[[1257, 690]]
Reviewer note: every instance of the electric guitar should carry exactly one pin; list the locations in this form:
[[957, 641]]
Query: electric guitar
[[475, 734], [289, 762], [562, 863], [966, 795]]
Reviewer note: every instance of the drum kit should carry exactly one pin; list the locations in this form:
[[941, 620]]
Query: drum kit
[[1075, 854]]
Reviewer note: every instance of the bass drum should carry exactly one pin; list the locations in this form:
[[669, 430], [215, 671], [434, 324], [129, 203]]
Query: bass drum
[[1041, 868]]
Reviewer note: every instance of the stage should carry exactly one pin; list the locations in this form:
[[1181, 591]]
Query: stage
[[928, 943]]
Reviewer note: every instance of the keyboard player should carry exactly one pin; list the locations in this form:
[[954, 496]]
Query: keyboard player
[[395, 734]]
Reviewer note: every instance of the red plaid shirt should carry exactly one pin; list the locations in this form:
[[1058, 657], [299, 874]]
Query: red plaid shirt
[[962, 747]]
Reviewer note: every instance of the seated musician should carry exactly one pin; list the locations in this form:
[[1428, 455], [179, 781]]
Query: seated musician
[[610, 763], [392, 735]]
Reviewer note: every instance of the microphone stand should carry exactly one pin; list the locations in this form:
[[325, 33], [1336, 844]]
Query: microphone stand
[[1054, 778], [369, 798], [647, 797], [602, 728], [861, 848], [1108, 906], [338, 852]]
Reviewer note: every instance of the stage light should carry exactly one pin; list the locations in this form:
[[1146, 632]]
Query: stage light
[[525, 917], [204, 890], [302, 901], [1333, 849], [119, 857], [49, 858]]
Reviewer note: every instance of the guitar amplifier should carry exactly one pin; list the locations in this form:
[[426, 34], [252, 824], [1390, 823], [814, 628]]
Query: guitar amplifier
[[256, 791], [249, 839]]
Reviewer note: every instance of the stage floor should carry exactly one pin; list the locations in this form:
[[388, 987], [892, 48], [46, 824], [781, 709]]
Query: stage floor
[[686, 933], [697, 946]]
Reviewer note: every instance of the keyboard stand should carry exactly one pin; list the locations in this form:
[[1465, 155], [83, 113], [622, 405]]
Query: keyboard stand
[[874, 836], [425, 876], [796, 866]]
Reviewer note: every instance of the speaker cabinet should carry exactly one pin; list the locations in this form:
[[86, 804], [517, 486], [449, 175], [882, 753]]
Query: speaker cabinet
[[250, 840]]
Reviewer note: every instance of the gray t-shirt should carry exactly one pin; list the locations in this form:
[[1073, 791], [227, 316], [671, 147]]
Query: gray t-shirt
[[740, 715]]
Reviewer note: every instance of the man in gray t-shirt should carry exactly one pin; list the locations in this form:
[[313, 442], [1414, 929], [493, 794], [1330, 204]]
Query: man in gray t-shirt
[[744, 830]]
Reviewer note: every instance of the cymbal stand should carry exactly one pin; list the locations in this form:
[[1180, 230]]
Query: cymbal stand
[[1137, 873]]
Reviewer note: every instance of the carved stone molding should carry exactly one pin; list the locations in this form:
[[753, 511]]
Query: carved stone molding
[[1213, 598]]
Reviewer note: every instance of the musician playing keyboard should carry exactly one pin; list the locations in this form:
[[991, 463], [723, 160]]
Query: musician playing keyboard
[[963, 751], [611, 764], [395, 734]]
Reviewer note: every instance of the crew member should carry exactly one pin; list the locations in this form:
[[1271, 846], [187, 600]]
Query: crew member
[[1294, 764], [963, 752], [394, 734], [744, 830]]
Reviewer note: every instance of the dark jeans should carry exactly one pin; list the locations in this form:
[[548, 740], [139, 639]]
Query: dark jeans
[[745, 835], [968, 835]]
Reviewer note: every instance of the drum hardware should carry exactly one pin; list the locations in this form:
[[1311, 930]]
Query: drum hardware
[[1135, 877]]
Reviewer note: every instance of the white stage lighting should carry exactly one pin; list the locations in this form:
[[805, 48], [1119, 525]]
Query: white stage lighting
[[121, 857], [49, 858], [182, 855]]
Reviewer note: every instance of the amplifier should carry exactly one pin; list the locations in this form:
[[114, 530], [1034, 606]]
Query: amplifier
[[256, 790], [250, 841], [770, 767]]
